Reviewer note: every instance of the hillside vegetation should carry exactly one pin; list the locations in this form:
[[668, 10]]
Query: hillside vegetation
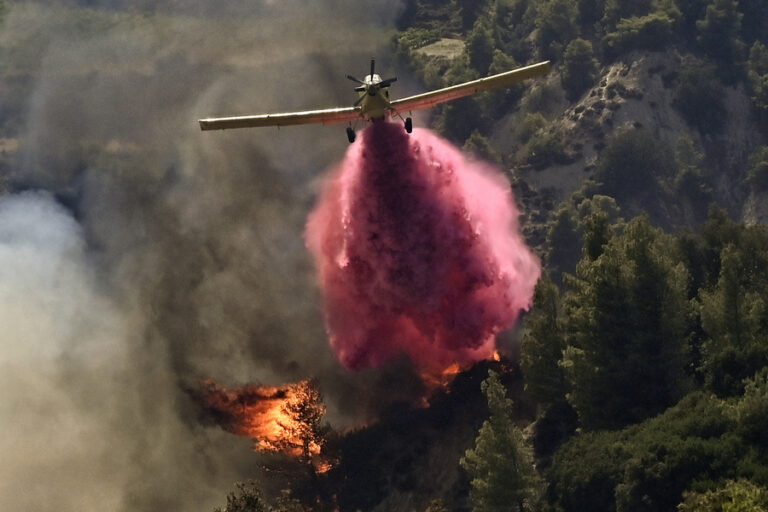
[[639, 162], [642, 168]]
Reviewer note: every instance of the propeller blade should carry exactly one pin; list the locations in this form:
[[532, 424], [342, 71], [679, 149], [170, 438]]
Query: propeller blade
[[373, 63], [355, 79], [359, 100], [387, 82]]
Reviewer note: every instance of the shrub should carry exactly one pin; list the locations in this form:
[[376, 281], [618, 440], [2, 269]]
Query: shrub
[[758, 169], [579, 68], [545, 150], [532, 123], [629, 165], [699, 97], [651, 32]]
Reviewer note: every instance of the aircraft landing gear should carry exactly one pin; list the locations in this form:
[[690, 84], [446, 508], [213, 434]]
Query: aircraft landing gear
[[350, 134], [408, 125]]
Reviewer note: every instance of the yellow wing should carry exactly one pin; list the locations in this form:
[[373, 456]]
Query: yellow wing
[[432, 98], [327, 116]]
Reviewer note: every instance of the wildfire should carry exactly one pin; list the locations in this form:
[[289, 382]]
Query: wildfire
[[283, 419], [440, 378]]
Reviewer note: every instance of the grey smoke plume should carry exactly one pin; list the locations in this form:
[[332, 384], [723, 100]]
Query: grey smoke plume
[[139, 255]]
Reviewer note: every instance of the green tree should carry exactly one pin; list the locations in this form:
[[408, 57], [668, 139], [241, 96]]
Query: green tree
[[479, 145], [500, 466], [590, 12], [630, 166], [479, 46], [498, 102], [754, 23], [719, 38], [752, 409], [733, 317], [556, 24], [735, 496], [247, 498], [532, 123], [757, 81], [699, 96], [647, 467], [616, 10], [564, 240], [651, 32], [579, 69], [758, 169], [626, 319], [469, 11], [546, 149], [543, 344], [598, 217], [582, 230], [690, 180]]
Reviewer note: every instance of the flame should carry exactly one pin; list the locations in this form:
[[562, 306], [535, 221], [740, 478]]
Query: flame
[[441, 378], [270, 415]]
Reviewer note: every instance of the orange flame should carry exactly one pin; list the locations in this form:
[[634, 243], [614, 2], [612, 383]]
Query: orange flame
[[441, 378], [270, 415]]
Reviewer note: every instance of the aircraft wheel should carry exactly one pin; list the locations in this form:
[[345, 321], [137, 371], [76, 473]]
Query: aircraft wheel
[[350, 134], [408, 125]]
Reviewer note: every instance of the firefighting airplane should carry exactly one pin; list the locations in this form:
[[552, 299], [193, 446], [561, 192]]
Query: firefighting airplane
[[374, 103]]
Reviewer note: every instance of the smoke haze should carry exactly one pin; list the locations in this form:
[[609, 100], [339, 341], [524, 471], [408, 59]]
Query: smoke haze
[[138, 255]]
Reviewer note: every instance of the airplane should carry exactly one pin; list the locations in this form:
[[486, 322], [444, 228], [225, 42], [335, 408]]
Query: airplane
[[374, 103]]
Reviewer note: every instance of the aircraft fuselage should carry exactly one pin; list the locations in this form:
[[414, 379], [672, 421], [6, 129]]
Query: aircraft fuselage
[[375, 101]]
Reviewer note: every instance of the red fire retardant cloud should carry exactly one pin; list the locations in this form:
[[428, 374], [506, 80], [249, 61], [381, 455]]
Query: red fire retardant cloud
[[418, 252]]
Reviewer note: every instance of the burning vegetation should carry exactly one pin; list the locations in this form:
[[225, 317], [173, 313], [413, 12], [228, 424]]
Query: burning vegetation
[[280, 419]]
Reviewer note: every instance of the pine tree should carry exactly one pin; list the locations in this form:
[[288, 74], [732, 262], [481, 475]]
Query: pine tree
[[543, 345], [627, 315], [579, 69], [719, 37], [500, 466], [733, 317]]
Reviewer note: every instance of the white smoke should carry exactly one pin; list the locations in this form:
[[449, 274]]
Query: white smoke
[[145, 255]]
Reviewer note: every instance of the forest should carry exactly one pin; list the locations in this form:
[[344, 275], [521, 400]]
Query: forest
[[646, 350]]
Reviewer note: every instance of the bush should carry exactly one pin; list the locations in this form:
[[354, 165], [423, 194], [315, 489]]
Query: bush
[[757, 81], [531, 124], [758, 169], [545, 150], [478, 145], [628, 167], [735, 496], [556, 24], [648, 466], [579, 68], [699, 97], [651, 32]]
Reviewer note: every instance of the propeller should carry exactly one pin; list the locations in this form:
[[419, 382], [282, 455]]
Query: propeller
[[371, 88], [387, 82]]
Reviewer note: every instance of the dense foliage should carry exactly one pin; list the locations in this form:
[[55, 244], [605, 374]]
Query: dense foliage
[[647, 318], [500, 466]]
